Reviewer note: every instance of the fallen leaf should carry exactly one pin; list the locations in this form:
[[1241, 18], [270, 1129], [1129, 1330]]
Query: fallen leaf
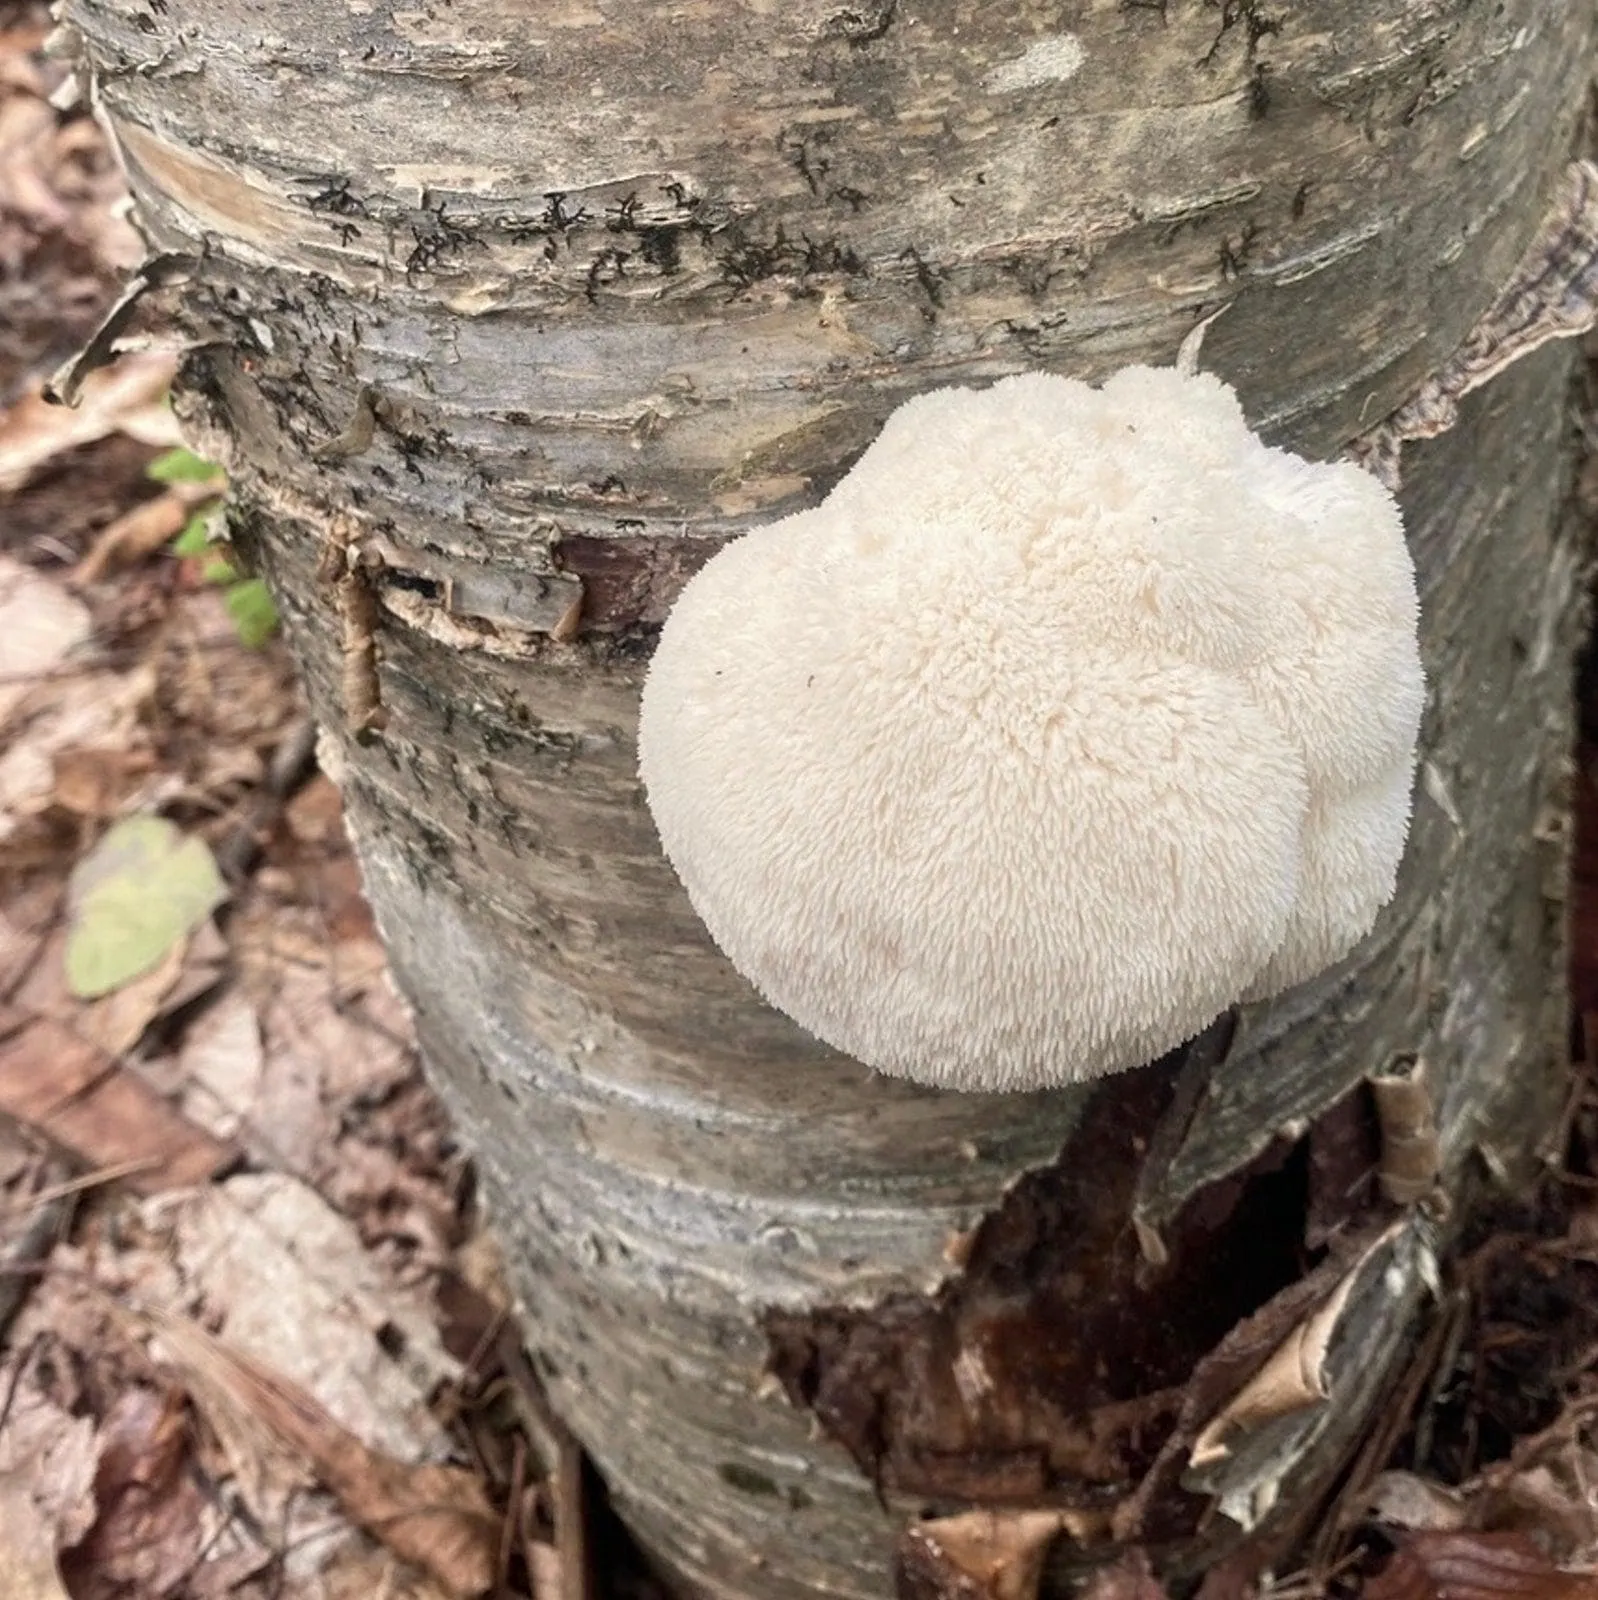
[[548, 1571], [1553, 1500], [90, 708], [1475, 1566], [115, 1022], [976, 1555], [316, 814], [205, 962], [141, 890], [1406, 1500], [140, 532], [40, 626], [436, 1517], [151, 1523], [1130, 1578], [344, 1018], [293, 1285], [27, 1544], [47, 1461], [99, 1110], [222, 1065], [126, 396], [96, 780], [23, 929]]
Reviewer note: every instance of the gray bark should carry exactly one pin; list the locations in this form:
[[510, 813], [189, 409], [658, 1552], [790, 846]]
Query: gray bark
[[535, 310]]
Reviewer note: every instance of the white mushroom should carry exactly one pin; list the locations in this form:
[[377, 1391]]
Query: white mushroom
[[1071, 717]]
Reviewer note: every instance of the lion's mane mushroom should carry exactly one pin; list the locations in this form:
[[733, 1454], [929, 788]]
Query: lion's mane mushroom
[[1071, 717]]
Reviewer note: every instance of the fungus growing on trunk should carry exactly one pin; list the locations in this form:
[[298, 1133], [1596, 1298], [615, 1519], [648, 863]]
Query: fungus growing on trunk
[[1070, 717]]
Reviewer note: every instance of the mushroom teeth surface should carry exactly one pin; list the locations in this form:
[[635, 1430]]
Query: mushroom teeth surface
[[1071, 717]]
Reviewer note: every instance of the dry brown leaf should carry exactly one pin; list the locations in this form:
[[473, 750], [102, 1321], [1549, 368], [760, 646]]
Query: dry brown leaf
[[1553, 1500], [151, 1521], [46, 1490], [316, 814], [1130, 1578], [40, 626], [230, 695], [363, 1571], [104, 1113], [548, 1572], [99, 781], [438, 1518], [222, 1069], [22, 931], [1406, 1500], [294, 1286], [27, 1544], [116, 1022], [977, 1555], [365, 1034], [205, 963], [122, 397], [92, 708], [1476, 1566], [144, 529]]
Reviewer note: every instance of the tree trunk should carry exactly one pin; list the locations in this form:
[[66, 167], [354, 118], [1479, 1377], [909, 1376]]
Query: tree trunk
[[504, 317]]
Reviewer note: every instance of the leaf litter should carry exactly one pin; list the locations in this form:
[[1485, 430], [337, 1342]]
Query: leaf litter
[[233, 1222]]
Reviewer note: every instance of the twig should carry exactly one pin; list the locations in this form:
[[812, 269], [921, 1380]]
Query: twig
[[291, 760], [15, 1381], [73, 1186], [565, 1471], [512, 1524], [26, 1257]]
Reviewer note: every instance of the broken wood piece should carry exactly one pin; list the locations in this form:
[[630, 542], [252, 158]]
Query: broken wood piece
[[977, 1555]]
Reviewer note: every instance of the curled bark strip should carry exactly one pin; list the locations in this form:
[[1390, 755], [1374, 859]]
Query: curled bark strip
[[1192, 346], [1200, 1059], [1411, 1150], [65, 384], [358, 433], [364, 712], [1292, 1380], [1552, 295]]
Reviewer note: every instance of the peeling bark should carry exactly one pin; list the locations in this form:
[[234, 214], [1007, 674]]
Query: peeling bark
[[524, 316]]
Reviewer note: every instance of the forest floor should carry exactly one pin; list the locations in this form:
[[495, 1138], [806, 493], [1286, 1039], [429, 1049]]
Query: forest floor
[[253, 1337]]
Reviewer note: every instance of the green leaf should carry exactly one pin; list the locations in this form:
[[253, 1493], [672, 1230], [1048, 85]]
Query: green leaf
[[250, 605], [197, 533], [182, 466], [218, 569], [144, 887]]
